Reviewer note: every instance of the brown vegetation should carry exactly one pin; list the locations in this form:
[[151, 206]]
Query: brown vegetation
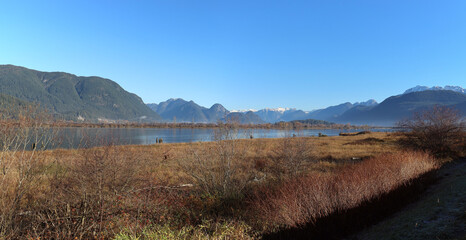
[[300, 201], [369, 141], [354, 134], [440, 130], [23, 133], [220, 169], [290, 158]]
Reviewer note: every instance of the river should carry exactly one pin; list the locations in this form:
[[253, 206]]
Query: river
[[77, 137]]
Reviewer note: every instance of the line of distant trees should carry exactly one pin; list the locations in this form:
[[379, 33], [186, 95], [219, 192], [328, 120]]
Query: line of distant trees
[[278, 125]]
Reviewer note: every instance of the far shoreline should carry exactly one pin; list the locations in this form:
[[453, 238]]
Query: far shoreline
[[278, 125]]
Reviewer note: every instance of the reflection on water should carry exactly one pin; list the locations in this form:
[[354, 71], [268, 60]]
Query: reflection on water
[[90, 137]]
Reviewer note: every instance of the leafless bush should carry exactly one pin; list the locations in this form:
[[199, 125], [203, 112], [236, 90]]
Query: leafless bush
[[86, 195], [220, 169], [23, 131], [440, 130], [290, 157]]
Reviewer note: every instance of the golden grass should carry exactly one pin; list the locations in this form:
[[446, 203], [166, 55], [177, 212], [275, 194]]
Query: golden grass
[[163, 160], [111, 188]]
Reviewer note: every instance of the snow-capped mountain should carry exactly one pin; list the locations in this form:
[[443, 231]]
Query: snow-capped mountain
[[244, 110], [454, 88], [272, 115], [419, 88], [275, 114], [269, 114], [368, 103], [279, 109]]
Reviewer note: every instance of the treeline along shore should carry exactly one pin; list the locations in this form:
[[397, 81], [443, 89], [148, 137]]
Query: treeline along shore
[[279, 125]]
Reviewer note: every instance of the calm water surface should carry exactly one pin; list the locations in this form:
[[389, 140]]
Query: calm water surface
[[90, 137]]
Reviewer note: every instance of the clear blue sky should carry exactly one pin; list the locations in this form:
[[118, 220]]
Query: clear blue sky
[[243, 54]]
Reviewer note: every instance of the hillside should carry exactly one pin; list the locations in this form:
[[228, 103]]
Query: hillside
[[272, 115], [9, 104], [461, 107], [294, 115], [331, 112], [72, 96]]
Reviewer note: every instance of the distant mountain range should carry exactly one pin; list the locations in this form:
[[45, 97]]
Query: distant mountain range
[[387, 113], [74, 97], [101, 100], [272, 115], [179, 110], [395, 108], [243, 118]]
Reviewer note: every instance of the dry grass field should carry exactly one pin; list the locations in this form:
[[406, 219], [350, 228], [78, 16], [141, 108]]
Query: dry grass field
[[227, 189], [164, 161]]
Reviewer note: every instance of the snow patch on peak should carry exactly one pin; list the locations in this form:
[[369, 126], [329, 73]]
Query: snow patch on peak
[[419, 88], [455, 88], [370, 102], [174, 99], [244, 110], [279, 109]]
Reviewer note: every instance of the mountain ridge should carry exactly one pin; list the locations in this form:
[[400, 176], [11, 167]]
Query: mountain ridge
[[72, 96], [272, 115], [398, 107]]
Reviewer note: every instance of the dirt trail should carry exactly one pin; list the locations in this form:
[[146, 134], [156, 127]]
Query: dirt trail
[[440, 213]]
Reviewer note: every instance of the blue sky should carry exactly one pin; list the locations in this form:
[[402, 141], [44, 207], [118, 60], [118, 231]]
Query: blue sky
[[243, 54]]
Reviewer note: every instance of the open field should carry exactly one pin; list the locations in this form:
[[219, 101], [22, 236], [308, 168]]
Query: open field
[[230, 188], [327, 153]]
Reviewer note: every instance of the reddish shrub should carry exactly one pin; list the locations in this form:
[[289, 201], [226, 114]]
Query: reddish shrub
[[303, 200]]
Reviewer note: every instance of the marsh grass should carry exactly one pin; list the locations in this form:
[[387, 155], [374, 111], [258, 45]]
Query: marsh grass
[[205, 230], [193, 190]]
